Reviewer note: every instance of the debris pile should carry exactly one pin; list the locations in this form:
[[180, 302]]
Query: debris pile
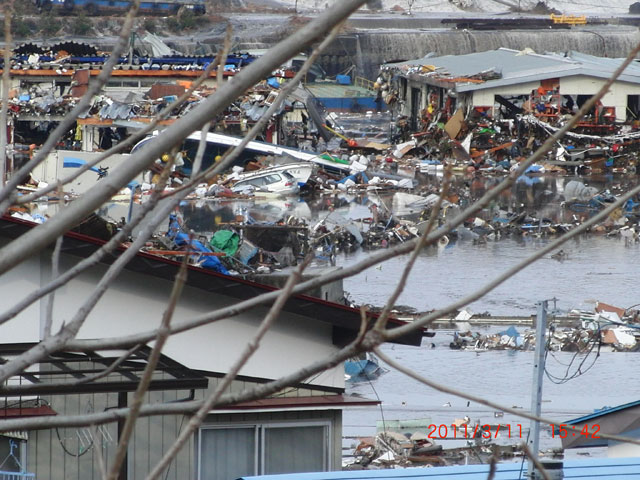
[[607, 329]]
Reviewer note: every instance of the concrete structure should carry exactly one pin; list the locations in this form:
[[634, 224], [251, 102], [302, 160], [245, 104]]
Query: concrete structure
[[474, 80], [303, 421]]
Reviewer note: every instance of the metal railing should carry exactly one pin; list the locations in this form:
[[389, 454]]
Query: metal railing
[[16, 476], [363, 83]]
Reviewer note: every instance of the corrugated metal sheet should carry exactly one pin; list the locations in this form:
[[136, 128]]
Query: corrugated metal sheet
[[519, 67], [603, 468]]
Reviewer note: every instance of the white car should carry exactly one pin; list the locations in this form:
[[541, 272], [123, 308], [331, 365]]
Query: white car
[[279, 183]]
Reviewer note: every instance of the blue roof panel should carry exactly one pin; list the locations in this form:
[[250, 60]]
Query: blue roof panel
[[596, 468]]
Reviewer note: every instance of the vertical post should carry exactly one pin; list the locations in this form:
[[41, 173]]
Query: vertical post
[[124, 469], [538, 375]]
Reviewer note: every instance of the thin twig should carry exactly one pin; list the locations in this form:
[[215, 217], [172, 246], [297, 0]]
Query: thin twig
[[69, 119], [422, 242], [6, 85], [55, 271], [145, 381], [536, 461]]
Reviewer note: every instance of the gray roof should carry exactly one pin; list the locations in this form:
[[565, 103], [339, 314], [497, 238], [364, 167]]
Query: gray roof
[[518, 67]]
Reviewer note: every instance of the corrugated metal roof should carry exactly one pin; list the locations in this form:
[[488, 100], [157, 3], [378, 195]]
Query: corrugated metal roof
[[520, 67], [609, 468]]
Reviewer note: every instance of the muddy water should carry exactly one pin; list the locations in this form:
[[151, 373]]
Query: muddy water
[[597, 267]]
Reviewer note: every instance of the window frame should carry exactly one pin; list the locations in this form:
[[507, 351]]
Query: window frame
[[260, 427]]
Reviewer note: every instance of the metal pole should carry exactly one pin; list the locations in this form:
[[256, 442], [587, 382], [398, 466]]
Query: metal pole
[[536, 391]]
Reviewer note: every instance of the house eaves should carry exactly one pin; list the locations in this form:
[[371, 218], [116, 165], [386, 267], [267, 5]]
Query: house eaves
[[345, 320]]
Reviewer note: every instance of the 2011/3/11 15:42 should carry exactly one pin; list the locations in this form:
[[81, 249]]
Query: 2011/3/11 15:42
[[563, 432]]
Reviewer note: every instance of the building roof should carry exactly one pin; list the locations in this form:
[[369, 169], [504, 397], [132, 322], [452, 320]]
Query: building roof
[[609, 468], [345, 320], [602, 412], [585, 431], [515, 67], [95, 372]]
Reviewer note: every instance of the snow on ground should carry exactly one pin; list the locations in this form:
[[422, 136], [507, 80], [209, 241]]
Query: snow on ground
[[569, 7]]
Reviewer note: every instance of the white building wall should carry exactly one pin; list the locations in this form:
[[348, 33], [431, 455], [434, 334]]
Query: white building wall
[[135, 303], [575, 85], [615, 97], [486, 98]]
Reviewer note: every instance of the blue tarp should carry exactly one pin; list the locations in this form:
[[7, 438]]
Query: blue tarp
[[181, 239], [273, 82]]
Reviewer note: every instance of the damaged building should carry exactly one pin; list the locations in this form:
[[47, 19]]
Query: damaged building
[[504, 82]]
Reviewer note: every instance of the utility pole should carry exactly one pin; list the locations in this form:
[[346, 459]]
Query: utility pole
[[536, 391]]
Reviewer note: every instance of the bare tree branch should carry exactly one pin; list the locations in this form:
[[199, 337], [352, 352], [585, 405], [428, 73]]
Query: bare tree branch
[[422, 242], [69, 119], [251, 348], [145, 381], [6, 84], [36, 239], [55, 266]]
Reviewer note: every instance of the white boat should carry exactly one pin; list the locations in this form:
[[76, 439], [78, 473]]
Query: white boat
[[218, 144]]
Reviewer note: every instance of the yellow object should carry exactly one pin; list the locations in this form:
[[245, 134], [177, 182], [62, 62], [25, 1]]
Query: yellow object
[[218, 158], [78, 135], [165, 158], [569, 19]]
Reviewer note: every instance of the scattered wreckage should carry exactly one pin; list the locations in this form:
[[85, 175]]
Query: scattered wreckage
[[404, 443], [608, 328]]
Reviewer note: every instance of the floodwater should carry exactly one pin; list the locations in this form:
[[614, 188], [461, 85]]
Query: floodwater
[[504, 377], [597, 267]]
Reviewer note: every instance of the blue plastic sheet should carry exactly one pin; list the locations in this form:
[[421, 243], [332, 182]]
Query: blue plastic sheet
[[180, 238]]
